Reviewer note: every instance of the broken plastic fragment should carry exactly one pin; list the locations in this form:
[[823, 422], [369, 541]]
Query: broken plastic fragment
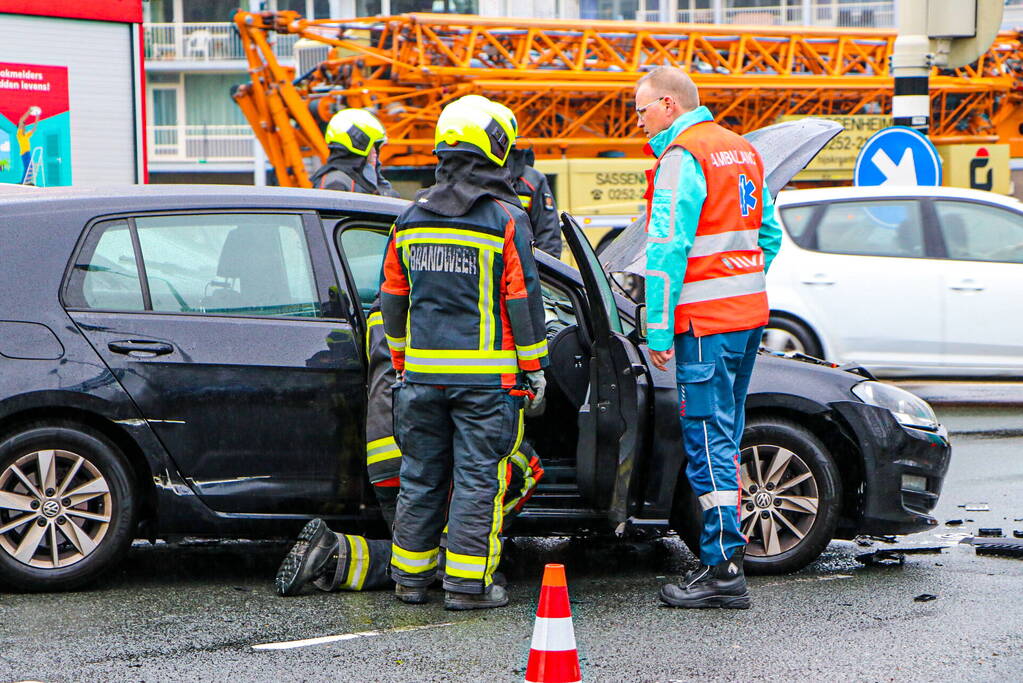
[[1001, 546], [925, 597], [882, 558], [976, 507], [953, 522], [989, 531]]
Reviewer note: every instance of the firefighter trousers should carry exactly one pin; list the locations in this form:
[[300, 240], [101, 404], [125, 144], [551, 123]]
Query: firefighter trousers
[[457, 440], [366, 563], [713, 374]]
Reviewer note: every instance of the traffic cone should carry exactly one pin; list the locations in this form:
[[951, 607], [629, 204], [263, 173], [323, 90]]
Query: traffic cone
[[552, 656]]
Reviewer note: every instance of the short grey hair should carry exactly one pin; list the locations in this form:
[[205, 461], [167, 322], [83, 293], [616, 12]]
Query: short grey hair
[[673, 81]]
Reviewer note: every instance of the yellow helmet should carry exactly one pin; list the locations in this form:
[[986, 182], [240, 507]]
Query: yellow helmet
[[357, 130], [470, 123], [495, 108]]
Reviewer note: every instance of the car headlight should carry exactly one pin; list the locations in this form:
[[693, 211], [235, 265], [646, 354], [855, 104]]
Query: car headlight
[[908, 409]]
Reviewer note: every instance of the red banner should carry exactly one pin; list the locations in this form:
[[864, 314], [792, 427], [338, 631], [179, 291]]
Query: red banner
[[23, 86]]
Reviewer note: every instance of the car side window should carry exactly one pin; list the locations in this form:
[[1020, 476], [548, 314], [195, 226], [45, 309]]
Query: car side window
[[242, 264], [364, 251], [872, 228], [796, 220], [980, 232], [105, 275]]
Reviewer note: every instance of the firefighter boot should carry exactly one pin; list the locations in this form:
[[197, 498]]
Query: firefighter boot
[[721, 585], [410, 595], [317, 552], [493, 596]]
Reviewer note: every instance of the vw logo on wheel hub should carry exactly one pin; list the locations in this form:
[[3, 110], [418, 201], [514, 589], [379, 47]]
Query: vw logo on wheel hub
[[51, 508], [762, 499]]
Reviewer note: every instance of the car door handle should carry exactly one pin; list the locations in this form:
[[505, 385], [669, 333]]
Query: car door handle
[[142, 347], [818, 279], [967, 285]]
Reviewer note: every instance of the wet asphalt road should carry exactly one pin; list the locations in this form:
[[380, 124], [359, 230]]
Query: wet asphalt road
[[193, 612]]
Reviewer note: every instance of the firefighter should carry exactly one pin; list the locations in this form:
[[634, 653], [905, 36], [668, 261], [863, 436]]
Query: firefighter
[[334, 561], [711, 236], [464, 321], [354, 138]]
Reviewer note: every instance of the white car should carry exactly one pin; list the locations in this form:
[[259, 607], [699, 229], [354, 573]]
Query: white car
[[906, 281]]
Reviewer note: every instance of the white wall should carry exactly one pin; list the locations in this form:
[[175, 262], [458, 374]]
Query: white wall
[[99, 58]]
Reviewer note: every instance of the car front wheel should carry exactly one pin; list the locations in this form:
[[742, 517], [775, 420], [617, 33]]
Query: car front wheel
[[790, 502], [67, 507]]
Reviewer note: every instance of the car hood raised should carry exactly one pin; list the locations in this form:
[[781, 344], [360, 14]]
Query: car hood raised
[[786, 148]]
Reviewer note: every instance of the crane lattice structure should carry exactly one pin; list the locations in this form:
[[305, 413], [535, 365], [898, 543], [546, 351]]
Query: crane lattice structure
[[570, 85]]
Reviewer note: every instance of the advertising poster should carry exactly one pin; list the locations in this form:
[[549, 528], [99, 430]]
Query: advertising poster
[[35, 125]]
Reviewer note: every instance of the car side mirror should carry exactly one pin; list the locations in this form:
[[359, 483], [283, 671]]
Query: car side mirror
[[641, 329]]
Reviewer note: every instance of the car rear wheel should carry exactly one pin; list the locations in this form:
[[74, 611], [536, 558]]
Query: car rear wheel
[[67, 507], [784, 335], [790, 502]]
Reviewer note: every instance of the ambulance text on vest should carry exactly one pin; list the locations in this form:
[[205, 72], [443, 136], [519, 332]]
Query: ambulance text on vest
[[729, 157]]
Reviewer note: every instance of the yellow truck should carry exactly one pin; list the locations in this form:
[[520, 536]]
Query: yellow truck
[[604, 195]]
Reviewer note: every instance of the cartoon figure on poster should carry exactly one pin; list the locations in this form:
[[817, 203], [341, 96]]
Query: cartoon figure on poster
[[35, 125]]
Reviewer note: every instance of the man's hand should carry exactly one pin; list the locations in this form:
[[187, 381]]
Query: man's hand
[[538, 385], [660, 358]]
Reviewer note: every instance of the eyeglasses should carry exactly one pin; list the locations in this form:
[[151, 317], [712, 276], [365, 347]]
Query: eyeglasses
[[642, 110]]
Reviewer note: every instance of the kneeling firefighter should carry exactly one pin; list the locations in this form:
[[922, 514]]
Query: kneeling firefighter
[[463, 317], [334, 561], [354, 138]]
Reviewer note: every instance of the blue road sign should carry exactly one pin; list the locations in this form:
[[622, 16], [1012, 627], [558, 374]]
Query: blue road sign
[[897, 156]]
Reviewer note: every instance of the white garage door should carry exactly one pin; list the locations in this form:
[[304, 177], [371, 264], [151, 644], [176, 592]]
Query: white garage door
[[99, 57]]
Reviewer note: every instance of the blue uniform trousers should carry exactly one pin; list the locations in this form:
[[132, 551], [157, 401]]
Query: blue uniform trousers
[[713, 374]]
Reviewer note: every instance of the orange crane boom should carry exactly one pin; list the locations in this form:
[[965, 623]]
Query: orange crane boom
[[571, 85]]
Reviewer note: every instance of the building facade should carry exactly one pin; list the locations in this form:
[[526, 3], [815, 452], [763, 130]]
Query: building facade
[[193, 58]]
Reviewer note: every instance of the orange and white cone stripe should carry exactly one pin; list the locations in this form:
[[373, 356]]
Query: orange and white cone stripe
[[553, 657]]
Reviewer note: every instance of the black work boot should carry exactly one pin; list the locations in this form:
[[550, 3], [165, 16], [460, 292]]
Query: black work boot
[[410, 595], [721, 585], [316, 553], [493, 596]]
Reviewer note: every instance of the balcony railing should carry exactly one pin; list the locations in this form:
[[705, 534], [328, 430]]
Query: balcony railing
[[200, 144], [867, 14], [203, 43]]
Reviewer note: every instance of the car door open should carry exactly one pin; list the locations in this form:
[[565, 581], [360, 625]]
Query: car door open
[[612, 419]]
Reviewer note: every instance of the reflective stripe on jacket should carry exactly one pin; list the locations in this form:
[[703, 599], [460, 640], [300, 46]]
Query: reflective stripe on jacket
[[461, 297], [711, 232]]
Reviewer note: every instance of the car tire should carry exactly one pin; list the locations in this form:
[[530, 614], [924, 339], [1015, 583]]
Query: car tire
[[71, 488], [783, 334], [801, 453]]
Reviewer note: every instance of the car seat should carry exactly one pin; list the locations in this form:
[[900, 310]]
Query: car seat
[[251, 266], [957, 241]]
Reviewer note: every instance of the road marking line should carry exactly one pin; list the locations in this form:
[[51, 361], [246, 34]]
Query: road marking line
[[322, 640]]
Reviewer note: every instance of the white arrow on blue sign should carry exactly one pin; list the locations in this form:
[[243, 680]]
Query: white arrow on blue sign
[[898, 156]]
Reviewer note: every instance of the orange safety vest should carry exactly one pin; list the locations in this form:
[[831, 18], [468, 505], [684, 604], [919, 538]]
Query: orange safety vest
[[724, 288]]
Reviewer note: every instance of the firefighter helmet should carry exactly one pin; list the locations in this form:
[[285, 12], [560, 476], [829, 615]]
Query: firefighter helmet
[[493, 107], [479, 127], [357, 130]]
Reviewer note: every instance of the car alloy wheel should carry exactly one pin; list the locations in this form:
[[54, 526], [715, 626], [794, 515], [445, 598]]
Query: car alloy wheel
[[779, 499], [55, 508]]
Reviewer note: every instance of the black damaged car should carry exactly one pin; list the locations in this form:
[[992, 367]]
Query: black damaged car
[[183, 360]]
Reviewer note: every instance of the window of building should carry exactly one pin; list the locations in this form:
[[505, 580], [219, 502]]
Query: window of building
[[608, 9], [442, 6], [209, 11], [980, 232]]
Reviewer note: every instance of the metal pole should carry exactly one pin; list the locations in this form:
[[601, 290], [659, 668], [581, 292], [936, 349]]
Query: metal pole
[[719, 12], [808, 13], [911, 66], [258, 155]]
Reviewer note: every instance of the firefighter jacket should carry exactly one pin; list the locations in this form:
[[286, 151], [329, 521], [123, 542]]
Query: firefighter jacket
[[534, 193], [461, 295], [711, 232], [350, 173]]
